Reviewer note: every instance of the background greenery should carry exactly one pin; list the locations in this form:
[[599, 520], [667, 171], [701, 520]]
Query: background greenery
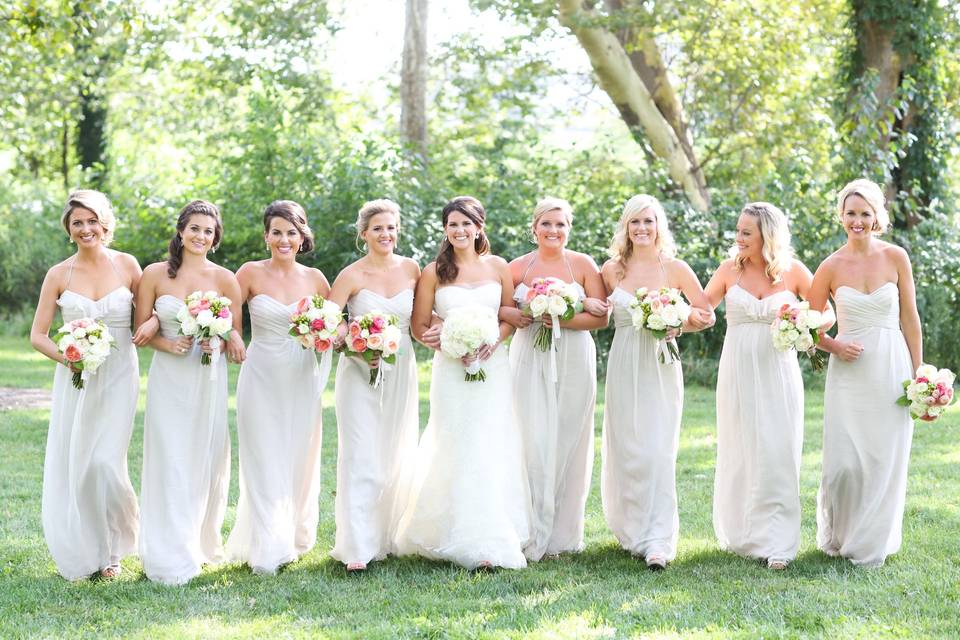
[[233, 101], [600, 593]]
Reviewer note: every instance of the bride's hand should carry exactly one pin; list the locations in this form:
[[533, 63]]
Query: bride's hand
[[487, 350], [848, 351]]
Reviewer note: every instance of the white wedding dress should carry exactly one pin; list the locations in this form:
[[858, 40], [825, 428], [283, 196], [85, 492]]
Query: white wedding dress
[[89, 509], [186, 459], [555, 395], [641, 436], [756, 499], [866, 435], [279, 430], [377, 431], [468, 502]]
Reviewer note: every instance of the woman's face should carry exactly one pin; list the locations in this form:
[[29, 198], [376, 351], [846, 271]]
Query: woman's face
[[749, 240], [552, 230], [85, 228], [381, 234], [461, 231], [642, 228], [198, 234], [283, 238], [858, 217]]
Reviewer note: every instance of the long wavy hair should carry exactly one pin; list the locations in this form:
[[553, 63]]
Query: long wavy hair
[[175, 249], [294, 214], [777, 250], [621, 248], [469, 206]]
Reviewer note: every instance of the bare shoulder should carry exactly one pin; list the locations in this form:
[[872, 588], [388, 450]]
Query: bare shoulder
[[582, 260], [798, 267], [410, 265], [316, 275], [897, 254], [676, 266], [155, 271], [495, 261], [521, 261], [126, 261], [610, 267], [430, 271]]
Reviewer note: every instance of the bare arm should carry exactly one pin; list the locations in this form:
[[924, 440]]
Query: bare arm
[[146, 298], [701, 315], [909, 317], [44, 315], [230, 286], [716, 289], [344, 286], [511, 312], [422, 316], [596, 295]]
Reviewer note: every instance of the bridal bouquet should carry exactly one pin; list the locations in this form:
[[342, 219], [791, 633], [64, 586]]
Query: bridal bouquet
[[206, 316], [552, 297], [797, 327], [465, 330], [657, 312], [929, 393], [84, 343], [314, 323], [373, 335]]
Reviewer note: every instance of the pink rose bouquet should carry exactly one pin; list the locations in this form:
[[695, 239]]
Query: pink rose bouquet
[[85, 344], [373, 335], [929, 393], [798, 327], [206, 316], [551, 297], [314, 323]]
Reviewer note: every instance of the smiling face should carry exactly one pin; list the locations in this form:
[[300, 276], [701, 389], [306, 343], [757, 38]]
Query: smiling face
[[461, 230], [642, 229], [85, 228], [283, 238], [552, 229], [198, 234], [381, 233], [749, 240], [858, 218]]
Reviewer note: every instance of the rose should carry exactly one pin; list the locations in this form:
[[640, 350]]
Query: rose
[[556, 306], [224, 313], [378, 323], [303, 304], [391, 346], [538, 305], [317, 325], [79, 332], [375, 340], [322, 344], [189, 326], [656, 323], [359, 345], [671, 316], [72, 353], [804, 342], [354, 329], [220, 326]]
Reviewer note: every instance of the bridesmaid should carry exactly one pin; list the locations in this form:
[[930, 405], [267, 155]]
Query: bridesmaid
[[554, 392], [756, 501], [468, 499], [866, 436], [186, 445], [89, 509], [278, 402], [644, 397], [377, 427]]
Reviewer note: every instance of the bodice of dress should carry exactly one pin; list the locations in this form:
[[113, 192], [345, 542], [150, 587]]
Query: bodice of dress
[[451, 296], [621, 301], [269, 319], [400, 305], [167, 307], [744, 308], [857, 310], [520, 293], [113, 309]]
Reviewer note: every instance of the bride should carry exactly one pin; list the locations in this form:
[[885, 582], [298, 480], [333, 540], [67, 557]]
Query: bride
[[468, 501]]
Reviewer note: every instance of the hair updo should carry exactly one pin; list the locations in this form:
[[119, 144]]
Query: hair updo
[[93, 201], [293, 213]]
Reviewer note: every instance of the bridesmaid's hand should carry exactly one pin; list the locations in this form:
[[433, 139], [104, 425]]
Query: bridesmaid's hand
[[146, 331], [674, 332], [515, 317], [848, 351], [431, 337], [373, 363], [236, 351], [596, 307], [341, 338], [469, 358], [700, 319], [180, 345]]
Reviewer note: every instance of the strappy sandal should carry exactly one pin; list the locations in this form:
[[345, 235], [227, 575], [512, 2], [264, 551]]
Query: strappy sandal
[[111, 571], [355, 567], [777, 565], [656, 562]]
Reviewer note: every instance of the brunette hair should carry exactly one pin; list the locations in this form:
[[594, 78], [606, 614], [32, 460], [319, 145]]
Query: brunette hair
[[294, 214], [469, 206], [175, 250]]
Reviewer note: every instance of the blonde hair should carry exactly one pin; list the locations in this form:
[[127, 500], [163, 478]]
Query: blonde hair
[[621, 248], [777, 251], [548, 204], [873, 195], [372, 208], [93, 201]]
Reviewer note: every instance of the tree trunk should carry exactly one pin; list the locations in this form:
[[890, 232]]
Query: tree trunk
[[638, 84], [91, 139], [413, 80]]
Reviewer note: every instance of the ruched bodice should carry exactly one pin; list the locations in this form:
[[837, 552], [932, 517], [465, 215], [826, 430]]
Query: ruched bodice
[[167, 307], [270, 320], [401, 305], [621, 308], [744, 308], [451, 296], [113, 309], [858, 311]]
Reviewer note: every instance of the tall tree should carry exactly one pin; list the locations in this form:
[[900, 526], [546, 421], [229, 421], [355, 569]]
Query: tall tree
[[413, 81]]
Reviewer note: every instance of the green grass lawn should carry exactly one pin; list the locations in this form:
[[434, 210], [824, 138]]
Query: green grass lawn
[[602, 592]]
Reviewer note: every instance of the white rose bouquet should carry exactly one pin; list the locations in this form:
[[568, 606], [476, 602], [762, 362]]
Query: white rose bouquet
[[797, 327], [657, 312], [465, 330], [552, 297], [85, 344], [206, 316], [929, 393]]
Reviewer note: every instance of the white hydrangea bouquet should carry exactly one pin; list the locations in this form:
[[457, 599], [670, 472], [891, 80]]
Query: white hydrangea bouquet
[[465, 330], [659, 311], [797, 327], [85, 344], [929, 393], [555, 298], [206, 316]]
